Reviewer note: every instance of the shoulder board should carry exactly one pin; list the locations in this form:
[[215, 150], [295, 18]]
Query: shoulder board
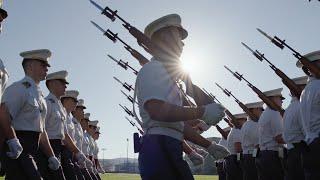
[[51, 100], [26, 84]]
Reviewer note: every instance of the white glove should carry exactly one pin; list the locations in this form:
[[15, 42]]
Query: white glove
[[202, 126], [54, 163], [195, 158], [202, 152], [81, 158], [15, 148], [217, 151], [213, 114]]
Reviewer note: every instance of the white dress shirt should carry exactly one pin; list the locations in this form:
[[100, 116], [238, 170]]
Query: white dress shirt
[[293, 129], [270, 126], [154, 82], [249, 136], [26, 105], [233, 137], [310, 109]]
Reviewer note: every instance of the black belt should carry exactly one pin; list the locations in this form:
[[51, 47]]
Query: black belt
[[29, 134]]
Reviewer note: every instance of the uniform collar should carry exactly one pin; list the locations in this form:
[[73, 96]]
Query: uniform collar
[[54, 97], [30, 80]]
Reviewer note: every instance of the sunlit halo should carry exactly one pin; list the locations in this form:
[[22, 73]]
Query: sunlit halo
[[188, 64]]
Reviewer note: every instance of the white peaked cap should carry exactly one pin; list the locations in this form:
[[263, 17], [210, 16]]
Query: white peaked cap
[[86, 115], [60, 75], [81, 103], [93, 123], [165, 21], [274, 92], [255, 105], [71, 94], [241, 116], [301, 80], [313, 56], [39, 54]]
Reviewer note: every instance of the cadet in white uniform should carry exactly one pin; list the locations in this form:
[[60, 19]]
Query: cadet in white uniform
[[87, 143], [310, 114], [96, 152], [92, 130], [160, 105], [26, 112], [69, 101], [56, 83], [55, 123], [232, 162], [293, 134], [250, 142], [270, 140], [78, 115], [85, 146]]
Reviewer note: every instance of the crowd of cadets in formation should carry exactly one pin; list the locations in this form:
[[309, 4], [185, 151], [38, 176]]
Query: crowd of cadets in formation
[[54, 131], [45, 137]]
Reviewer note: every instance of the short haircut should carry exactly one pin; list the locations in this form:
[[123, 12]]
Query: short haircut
[[26, 63]]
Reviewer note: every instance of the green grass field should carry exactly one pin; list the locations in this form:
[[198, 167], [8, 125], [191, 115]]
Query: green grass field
[[137, 177]]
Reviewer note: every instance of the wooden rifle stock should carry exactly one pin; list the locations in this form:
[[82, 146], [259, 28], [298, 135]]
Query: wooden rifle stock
[[222, 132]]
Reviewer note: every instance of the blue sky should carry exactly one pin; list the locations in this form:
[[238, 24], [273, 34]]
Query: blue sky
[[215, 28]]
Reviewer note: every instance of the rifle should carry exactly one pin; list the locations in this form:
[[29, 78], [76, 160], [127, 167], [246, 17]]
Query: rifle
[[222, 132], [294, 88], [142, 39], [262, 96], [242, 106], [125, 85], [114, 37], [281, 44], [134, 124], [127, 110], [124, 65], [192, 90], [228, 122], [129, 97]]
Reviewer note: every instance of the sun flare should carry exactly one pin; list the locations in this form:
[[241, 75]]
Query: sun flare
[[188, 64]]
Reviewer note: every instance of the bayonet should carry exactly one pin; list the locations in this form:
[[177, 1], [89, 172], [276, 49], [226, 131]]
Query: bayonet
[[282, 43], [285, 79], [130, 98], [125, 85], [130, 113], [124, 65]]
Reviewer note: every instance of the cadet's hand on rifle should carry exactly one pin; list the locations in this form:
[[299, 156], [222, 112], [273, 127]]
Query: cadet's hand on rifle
[[15, 148], [54, 163], [195, 158], [213, 113], [217, 151]]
